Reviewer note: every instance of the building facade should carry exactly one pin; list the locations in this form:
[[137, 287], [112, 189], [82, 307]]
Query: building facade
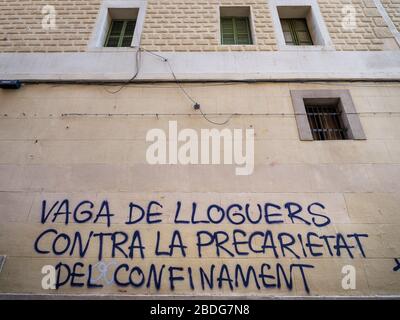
[[200, 148]]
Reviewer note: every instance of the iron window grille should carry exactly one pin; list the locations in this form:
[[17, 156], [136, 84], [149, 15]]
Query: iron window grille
[[326, 123], [120, 33], [235, 30], [296, 32]]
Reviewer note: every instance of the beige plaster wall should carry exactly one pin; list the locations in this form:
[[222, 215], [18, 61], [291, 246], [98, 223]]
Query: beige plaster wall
[[48, 154]]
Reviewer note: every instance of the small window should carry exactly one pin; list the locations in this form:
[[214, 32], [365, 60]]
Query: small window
[[296, 32], [326, 115], [120, 33], [326, 122], [235, 30]]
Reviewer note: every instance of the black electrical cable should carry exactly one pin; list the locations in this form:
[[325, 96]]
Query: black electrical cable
[[138, 62], [217, 123], [196, 105]]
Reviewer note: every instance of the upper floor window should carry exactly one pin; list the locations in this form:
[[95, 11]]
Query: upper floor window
[[236, 27], [119, 25], [296, 32], [235, 30], [299, 25], [120, 33]]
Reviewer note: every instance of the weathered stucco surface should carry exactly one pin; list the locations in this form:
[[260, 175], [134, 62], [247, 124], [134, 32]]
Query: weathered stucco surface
[[49, 154]]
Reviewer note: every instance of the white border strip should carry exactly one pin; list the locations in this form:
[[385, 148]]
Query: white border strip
[[201, 66]]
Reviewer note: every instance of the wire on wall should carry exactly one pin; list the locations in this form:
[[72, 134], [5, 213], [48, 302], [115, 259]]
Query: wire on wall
[[138, 63], [196, 105], [268, 114]]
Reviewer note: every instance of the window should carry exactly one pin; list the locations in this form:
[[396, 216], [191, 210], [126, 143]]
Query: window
[[235, 31], [326, 115], [119, 25], [120, 33], [325, 122], [296, 32], [235, 26], [299, 25]]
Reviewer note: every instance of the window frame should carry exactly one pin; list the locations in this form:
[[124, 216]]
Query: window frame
[[315, 22], [237, 11], [235, 34], [101, 28], [342, 98], [294, 32], [122, 34]]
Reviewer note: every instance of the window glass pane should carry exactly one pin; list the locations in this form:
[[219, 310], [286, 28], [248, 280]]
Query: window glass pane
[[116, 28], [287, 32], [112, 41], [295, 32], [128, 35], [235, 30], [126, 42], [243, 39], [288, 37], [130, 29], [243, 31], [302, 33], [285, 25], [300, 24], [304, 38], [121, 33], [227, 31]]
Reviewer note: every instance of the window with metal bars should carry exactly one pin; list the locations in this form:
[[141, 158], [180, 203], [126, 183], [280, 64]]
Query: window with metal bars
[[120, 33], [326, 122], [296, 32], [235, 30]]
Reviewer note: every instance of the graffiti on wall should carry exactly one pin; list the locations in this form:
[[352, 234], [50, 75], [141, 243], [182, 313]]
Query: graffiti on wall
[[139, 250]]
